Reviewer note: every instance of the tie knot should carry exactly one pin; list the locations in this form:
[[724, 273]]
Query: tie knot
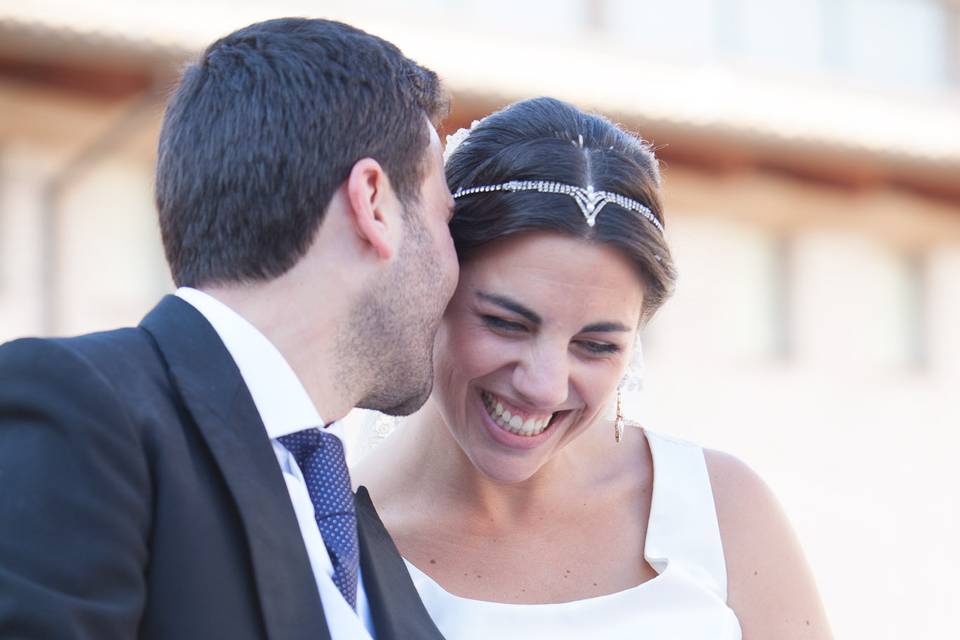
[[303, 444]]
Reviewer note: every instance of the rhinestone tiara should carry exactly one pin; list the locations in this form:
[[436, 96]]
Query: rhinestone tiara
[[590, 202]]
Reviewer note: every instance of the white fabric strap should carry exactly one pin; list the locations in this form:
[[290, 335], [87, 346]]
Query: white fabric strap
[[683, 528]]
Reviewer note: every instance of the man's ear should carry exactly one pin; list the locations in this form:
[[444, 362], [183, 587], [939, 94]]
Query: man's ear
[[375, 210]]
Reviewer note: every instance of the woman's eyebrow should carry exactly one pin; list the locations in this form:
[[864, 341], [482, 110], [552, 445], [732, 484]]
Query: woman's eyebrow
[[510, 305], [604, 327]]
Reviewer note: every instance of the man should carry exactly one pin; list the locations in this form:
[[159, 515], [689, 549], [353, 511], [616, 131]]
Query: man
[[182, 479]]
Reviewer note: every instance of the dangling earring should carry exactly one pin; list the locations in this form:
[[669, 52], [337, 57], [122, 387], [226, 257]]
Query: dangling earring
[[632, 381], [619, 424]]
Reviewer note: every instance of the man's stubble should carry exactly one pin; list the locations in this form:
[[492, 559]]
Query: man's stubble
[[387, 349]]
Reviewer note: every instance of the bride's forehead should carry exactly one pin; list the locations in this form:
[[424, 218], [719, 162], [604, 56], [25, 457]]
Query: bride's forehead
[[551, 256], [555, 273]]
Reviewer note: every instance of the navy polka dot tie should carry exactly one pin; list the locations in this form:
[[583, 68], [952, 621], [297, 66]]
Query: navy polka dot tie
[[321, 459]]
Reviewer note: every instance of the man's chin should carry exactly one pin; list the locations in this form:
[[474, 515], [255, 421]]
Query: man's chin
[[394, 406]]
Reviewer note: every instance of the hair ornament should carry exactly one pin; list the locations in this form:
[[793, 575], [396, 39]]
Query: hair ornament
[[590, 202], [456, 139]]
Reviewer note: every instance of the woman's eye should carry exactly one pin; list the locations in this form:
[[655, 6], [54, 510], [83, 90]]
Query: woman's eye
[[502, 325], [599, 348]]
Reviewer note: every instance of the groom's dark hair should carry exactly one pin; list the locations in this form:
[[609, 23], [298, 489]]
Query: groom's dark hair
[[264, 128]]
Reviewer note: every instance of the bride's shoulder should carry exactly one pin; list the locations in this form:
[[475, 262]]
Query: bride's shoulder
[[728, 474], [738, 486], [765, 562], [744, 503], [743, 500]]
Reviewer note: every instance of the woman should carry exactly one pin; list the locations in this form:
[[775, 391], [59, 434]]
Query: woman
[[518, 508]]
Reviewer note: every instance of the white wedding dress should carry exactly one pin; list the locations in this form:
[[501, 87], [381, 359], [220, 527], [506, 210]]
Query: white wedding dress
[[685, 601]]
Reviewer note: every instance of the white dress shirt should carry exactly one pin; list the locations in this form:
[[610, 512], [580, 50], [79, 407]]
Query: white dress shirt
[[285, 408]]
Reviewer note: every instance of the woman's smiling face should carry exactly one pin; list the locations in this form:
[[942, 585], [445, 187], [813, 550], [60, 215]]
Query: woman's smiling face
[[532, 346]]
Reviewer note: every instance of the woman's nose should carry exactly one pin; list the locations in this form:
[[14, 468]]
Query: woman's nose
[[543, 377]]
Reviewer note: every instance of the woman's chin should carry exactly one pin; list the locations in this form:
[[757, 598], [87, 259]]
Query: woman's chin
[[502, 456], [501, 471]]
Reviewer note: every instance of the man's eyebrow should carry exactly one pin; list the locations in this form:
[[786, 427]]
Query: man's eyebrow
[[510, 305], [605, 327]]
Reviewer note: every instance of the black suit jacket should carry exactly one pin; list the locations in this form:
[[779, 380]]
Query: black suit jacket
[[140, 498]]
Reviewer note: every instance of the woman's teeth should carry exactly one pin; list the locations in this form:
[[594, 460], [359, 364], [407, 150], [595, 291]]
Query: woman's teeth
[[513, 423]]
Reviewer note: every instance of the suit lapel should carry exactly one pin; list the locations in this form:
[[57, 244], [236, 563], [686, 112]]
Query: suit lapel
[[398, 612], [212, 389]]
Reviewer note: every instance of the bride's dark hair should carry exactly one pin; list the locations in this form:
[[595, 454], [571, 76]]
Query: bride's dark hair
[[546, 139]]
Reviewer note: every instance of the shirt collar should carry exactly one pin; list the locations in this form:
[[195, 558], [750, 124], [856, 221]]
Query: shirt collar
[[280, 398]]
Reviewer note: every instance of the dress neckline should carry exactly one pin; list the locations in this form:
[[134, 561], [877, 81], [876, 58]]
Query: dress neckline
[[660, 565]]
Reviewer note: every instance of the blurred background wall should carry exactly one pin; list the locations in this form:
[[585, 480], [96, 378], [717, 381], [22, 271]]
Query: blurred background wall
[[811, 155]]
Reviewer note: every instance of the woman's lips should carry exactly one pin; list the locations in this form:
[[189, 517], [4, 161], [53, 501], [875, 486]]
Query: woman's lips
[[514, 420]]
